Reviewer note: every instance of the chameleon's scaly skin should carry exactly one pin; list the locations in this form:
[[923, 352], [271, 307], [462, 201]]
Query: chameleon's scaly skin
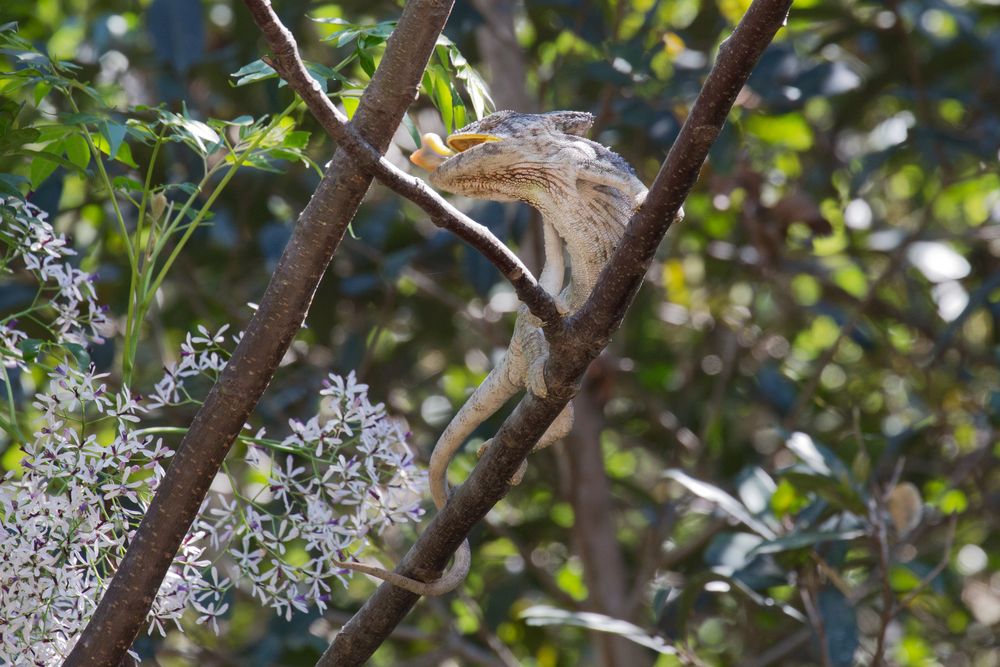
[[586, 194]]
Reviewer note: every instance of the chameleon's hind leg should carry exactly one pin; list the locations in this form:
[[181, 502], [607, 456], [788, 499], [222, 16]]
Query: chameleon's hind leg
[[556, 430]]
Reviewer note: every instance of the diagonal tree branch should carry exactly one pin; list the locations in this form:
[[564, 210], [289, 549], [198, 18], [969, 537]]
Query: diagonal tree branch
[[575, 342], [123, 609], [287, 62]]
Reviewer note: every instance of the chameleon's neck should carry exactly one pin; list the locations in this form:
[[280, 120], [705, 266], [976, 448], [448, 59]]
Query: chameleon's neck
[[591, 229]]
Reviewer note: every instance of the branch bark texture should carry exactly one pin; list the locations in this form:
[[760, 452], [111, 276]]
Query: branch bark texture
[[284, 305], [575, 342]]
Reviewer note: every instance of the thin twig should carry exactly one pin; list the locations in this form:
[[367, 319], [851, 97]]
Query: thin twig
[[287, 62], [880, 540], [810, 602], [938, 569]]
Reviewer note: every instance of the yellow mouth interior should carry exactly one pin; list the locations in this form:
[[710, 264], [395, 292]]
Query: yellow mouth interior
[[463, 142]]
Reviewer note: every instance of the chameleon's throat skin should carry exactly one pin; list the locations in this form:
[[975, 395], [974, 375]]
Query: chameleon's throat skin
[[586, 195]]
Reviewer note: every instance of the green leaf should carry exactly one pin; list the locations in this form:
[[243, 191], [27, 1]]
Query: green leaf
[[30, 347], [726, 502], [41, 168], [258, 70], [80, 353], [790, 130], [436, 82], [77, 150], [350, 103], [19, 137], [541, 615], [478, 91], [199, 136], [698, 584], [852, 280], [902, 579], [10, 184], [817, 457], [79, 119], [458, 112], [296, 139], [54, 155], [802, 540], [125, 156], [126, 184], [834, 491], [124, 151], [331, 20], [953, 502], [42, 89], [186, 187], [114, 134], [366, 60], [411, 127], [343, 37], [786, 500], [323, 73]]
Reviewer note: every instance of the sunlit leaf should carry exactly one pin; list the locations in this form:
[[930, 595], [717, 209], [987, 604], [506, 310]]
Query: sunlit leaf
[[258, 70], [829, 488], [801, 540], [790, 130], [114, 134], [77, 150], [725, 501], [543, 615], [41, 168]]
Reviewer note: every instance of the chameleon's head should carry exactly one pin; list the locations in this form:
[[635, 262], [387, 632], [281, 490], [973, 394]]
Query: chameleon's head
[[510, 156]]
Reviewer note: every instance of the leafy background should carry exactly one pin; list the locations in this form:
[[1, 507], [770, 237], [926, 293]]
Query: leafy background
[[799, 417]]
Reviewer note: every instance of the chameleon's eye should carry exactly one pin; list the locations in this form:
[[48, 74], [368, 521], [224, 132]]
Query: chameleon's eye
[[463, 142]]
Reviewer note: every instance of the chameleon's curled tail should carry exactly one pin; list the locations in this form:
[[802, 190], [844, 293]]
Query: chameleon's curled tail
[[495, 390], [448, 581], [488, 397]]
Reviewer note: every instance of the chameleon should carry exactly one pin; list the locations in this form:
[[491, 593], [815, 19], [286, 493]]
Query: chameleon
[[586, 194]]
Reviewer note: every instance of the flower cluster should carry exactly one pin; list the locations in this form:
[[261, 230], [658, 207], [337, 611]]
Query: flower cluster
[[86, 481], [276, 523], [28, 237], [337, 478], [90, 472], [201, 355]]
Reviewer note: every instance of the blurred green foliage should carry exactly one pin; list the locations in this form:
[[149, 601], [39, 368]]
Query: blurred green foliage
[[837, 277]]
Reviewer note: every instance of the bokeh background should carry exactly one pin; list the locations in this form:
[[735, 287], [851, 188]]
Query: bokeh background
[[819, 339]]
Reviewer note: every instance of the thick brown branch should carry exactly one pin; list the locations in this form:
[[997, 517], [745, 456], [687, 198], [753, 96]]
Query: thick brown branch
[[123, 609], [288, 64], [621, 278], [574, 345]]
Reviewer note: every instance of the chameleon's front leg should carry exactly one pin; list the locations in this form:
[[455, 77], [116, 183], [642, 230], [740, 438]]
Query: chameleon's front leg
[[529, 351]]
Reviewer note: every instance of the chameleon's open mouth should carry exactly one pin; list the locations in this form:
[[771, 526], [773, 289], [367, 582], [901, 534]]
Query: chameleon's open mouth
[[463, 142], [433, 151]]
